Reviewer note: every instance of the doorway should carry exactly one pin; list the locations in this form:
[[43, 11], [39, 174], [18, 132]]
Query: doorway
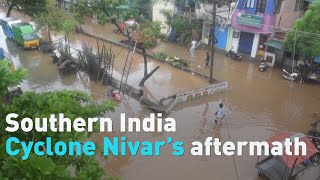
[[246, 41]]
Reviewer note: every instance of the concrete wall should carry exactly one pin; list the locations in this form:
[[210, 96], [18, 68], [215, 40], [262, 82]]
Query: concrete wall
[[287, 15], [158, 16], [230, 37], [255, 45], [235, 40]]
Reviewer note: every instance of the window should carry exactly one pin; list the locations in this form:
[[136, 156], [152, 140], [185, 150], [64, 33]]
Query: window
[[261, 6], [250, 3]]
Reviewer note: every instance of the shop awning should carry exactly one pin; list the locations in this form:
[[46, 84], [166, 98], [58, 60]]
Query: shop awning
[[275, 44], [293, 161]]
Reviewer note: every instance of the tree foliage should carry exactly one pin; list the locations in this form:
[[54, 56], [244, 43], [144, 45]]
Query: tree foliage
[[303, 37], [148, 31], [56, 19], [32, 104], [30, 7], [106, 11], [9, 78], [183, 28]]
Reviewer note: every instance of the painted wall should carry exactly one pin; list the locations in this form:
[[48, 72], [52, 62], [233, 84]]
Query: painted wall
[[158, 16], [230, 36], [268, 17], [222, 36], [235, 40], [269, 9], [255, 45], [287, 15]]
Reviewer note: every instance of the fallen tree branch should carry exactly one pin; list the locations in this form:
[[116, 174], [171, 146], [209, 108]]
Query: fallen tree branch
[[145, 78], [146, 75]]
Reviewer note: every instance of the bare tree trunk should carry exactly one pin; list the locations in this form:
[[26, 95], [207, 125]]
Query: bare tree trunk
[[145, 78], [145, 61], [10, 9], [49, 36]]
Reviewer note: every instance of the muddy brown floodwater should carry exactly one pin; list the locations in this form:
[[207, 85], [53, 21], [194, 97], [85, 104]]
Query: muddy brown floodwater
[[165, 82], [258, 105]]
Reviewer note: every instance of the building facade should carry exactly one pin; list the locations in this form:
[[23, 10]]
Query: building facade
[[157, 14], [194, 9], [252, 22], [287, 12], [222, 28]]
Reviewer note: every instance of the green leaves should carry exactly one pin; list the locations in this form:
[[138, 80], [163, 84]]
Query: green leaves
[[40, 105], [35, 167], [55, 18], [30, 7], [304, 38], [9, 78], [108, 11]]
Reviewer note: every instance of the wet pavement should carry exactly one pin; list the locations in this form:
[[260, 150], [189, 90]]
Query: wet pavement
[[258, 105]]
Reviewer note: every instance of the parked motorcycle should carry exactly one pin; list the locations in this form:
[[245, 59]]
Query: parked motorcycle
[[263, 65], [292, 76], [314, 76], [234, 55]]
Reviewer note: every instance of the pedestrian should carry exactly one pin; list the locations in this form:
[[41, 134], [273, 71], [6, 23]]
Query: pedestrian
[[207, 59], [220, 113], [193, 47]]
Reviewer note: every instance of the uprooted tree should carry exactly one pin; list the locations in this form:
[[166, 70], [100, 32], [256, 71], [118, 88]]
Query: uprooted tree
[[105, 11]]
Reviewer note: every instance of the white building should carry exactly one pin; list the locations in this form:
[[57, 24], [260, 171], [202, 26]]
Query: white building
[[157, 15]]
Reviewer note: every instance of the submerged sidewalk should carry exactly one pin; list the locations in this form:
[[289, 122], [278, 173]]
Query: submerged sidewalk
[[197, 62]]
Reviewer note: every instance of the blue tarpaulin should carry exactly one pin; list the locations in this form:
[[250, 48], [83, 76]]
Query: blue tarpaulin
[[317, 59]]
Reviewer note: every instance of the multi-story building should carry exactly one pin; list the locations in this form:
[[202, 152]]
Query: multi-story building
[[287, 12], [252, 23], [222, 29], [198, 10]]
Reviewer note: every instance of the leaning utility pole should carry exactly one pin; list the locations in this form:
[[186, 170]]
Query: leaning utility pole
[[212, 39]]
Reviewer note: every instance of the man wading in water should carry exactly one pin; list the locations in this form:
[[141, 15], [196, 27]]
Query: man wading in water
[[207, 59], [220, 114], [193, 47]]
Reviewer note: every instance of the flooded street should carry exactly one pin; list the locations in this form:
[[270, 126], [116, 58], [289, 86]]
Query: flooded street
[[166, 80], [258, 105]]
